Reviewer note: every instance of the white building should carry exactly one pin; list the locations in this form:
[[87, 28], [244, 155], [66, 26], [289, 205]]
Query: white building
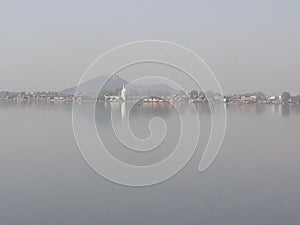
[[123, 93]]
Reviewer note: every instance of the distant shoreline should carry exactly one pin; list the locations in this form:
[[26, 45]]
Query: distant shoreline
[[180, 97]]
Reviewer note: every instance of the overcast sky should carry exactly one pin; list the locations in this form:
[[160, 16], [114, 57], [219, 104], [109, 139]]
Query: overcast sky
[[251, 45]]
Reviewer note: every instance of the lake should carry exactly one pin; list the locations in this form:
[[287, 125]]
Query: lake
[[254, 180]]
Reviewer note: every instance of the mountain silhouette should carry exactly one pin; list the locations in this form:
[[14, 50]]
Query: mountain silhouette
[[115, 83]]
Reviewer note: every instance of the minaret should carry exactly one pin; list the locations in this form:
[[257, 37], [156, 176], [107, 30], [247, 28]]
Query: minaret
[[123, 93]]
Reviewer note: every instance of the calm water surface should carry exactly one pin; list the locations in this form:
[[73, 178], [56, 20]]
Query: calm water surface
[[254, 181]]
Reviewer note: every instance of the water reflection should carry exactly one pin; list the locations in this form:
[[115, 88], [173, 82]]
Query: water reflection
[[138, 115], [277, 109], [158, 108], [254, 177]]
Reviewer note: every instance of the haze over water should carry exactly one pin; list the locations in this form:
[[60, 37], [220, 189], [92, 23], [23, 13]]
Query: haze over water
[[254, 180]]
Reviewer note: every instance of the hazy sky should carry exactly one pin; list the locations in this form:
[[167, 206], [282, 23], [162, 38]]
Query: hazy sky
[[251, 45]]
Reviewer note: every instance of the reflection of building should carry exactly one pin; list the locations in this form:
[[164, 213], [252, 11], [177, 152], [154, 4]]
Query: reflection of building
[[123, 110]]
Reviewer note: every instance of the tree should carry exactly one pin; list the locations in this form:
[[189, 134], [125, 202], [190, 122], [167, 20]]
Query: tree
[[181, 93], [193, 94], [3, 94], [202, 95], [260, 97], [285, 97], [296, 99], [210, 94]]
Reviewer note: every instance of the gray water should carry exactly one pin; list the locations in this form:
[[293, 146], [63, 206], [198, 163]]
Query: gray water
[[253, 181]]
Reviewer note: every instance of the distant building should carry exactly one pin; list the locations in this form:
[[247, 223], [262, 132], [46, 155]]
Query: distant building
[[123, 93]]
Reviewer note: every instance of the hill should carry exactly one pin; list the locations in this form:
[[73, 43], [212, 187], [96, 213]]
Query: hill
[[115, 83]]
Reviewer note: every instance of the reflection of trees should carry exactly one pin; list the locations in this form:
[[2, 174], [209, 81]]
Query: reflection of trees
[[203, 107], [285, 110], [153, 109], [43, 106], [296, 109], [259, 109]]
